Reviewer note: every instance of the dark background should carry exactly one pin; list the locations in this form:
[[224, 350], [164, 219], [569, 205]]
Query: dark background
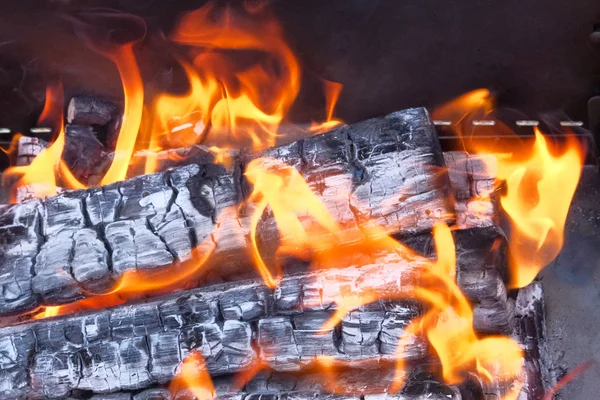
[[389, 54]]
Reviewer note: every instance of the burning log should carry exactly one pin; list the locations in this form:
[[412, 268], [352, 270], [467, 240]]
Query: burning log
[[135, 346], [233, 325], [83, 240], [356, 384]]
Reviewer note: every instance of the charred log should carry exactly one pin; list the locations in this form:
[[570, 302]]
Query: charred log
[[234, 325], [351, 384], [134, 346], [156, 220], [90, 110]]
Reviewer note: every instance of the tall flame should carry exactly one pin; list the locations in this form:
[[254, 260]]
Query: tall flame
[[539, 183], [134, 103], [242, 82]]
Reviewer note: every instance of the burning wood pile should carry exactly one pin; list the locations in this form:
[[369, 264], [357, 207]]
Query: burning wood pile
[[362, 262]]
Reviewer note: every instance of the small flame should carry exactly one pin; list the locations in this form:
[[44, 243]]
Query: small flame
[[332, 95], [48, 312], [539, 183], [40, 176], [193, 376]]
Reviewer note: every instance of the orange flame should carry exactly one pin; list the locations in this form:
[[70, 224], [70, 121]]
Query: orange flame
[[238, 102], [134, 103], [40, 176], [282, 188], [193, 376], [332, 95], [448, 322], [539, 183]]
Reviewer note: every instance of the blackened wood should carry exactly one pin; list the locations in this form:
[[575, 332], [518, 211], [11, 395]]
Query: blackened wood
[[473, 180], [391, 164], [351, 384], [27, 149], [83, 153], [138, 345], [90, 110]]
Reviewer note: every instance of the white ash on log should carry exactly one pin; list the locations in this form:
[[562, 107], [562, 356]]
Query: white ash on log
[[233, 325], [154, 220], [138, 345], [353, 384], [473, 180], [27, 149]]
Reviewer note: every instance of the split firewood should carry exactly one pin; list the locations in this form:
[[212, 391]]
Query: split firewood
[[83, 153], [55, 249]]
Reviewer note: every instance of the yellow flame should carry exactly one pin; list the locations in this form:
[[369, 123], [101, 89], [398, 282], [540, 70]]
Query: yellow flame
[[539, 183]]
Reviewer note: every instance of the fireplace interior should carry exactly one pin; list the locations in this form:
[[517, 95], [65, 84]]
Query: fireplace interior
[[292, 200]]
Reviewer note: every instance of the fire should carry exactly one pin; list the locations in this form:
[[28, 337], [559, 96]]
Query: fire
[[194, 378], [448, 321], [537, 200], [332, 95], [229, 103], [243, 79], [282, 188], [134, 102], [39, 177], [539, 180]]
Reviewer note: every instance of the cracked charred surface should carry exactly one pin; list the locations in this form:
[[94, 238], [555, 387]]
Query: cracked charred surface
[[55, 249], [234, 325], [351, 384]]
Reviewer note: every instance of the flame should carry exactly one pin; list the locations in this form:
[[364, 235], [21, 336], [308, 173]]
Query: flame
[[193, 376], [332, 95], [448, 321], [40, 176], [240, 103], [538, 195], [134, 103], [282, 188], [539, 183]]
